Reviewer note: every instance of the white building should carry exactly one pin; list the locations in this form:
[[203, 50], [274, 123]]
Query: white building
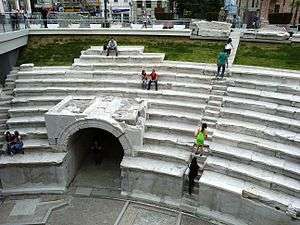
[[6, 5], [119, 10]]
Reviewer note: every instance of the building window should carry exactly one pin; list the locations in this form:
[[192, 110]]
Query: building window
[[116, 1], [139, 4], [125, 0], [148, 4]]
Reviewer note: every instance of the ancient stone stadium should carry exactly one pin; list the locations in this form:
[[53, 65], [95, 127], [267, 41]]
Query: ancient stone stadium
[[249, 174]]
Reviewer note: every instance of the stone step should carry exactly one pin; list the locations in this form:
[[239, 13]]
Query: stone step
[[212, 113], [260, 145], [272, 86], [123, 74], [41, 101], [212, 183], [33, 133], [215, 103], [265, 75], [173, 116], [165, 153], [97, 83], [249, 173], [220, 87], [170, 127], [261, 118], [155, 166], [5, 103], [265, 162], [3, 117], [178, 106], [263, 107], [278, 98], [122, 50], [168, 139], [28, 111], [25, 122], [259, 130], [36, 145], [33, 158], [213, 108], [144, 58], [216, 98], [124, 92], [218, 92], [166, 66]]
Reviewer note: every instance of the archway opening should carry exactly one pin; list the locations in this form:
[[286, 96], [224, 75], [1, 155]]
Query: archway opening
[[95, 156]]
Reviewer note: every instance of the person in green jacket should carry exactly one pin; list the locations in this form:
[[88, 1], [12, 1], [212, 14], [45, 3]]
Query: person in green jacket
[[222, 62], [200, 137]]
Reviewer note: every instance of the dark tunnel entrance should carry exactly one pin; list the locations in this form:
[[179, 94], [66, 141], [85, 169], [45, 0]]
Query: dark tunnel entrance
[[96, 156]]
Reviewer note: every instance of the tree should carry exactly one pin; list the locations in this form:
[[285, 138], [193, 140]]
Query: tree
[[200, 9]]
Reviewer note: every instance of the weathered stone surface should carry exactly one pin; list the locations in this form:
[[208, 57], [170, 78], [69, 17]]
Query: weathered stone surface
[[210, 29]]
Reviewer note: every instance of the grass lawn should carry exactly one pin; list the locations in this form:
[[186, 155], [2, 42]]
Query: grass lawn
[[285, 56], [61, 50]]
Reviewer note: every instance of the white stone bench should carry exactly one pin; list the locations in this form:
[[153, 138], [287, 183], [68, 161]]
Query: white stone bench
[[179, 27], [53, 26], [157, 27], [95, 26], [144, 58], [122, 50], [136, 26]]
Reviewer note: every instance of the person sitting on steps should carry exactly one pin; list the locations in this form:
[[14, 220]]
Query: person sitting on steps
[[153, 78], [112, 45], [193, 174], [144, 80], [16, 145], [200, 137]]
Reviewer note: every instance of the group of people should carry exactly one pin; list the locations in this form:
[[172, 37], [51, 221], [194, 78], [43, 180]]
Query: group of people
[[223, 56], [18, 16], [148, 79], [200, 136], [14, 143]]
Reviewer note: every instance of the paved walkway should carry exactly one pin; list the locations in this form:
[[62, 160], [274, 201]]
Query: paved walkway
[[78, 209], [235, 36]]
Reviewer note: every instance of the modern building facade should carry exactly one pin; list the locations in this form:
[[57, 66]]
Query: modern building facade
[[262, 8], [146, 8]]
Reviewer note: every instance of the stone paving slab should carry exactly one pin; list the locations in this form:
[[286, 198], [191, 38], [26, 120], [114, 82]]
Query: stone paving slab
[[24, 207]]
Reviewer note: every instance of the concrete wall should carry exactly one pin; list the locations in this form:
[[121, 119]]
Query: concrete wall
[[8, 61]]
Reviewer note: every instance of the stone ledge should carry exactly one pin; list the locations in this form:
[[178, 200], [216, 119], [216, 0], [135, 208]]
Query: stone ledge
[[155, 166]]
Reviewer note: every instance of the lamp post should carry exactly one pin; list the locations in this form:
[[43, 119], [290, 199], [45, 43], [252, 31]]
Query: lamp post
[[106, 24]]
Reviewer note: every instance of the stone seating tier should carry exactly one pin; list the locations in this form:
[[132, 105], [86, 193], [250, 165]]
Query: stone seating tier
[[211, 182], [122, 50], [144, 58], [263, 107], [116, 75], [257, 176], [94, 83], [250, 144]]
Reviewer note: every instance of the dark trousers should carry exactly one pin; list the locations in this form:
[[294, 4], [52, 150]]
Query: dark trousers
[[114, 49], [45, 22], [223, 70], [191, 183], [150, 82]]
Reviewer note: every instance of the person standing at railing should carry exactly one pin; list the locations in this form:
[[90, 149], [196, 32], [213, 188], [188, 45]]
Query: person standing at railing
[[44, 13], [26, 16]]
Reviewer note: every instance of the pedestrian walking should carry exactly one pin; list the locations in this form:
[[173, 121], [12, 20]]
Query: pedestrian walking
[[222, 61]]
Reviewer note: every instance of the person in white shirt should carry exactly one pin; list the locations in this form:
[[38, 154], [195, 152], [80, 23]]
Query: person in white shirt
[[228, 46], [112, 45]]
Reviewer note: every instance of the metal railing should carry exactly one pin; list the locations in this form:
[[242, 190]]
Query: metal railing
[[12, 21]]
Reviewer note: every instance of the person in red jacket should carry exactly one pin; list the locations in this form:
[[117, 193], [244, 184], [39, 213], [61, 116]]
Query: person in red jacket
[[153, 78]]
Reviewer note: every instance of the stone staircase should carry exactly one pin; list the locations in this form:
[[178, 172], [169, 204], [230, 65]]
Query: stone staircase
[[251, 170], [174, 110], [255, 149]]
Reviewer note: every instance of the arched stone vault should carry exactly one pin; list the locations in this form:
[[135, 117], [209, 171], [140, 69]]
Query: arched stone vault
[[114, 129]]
